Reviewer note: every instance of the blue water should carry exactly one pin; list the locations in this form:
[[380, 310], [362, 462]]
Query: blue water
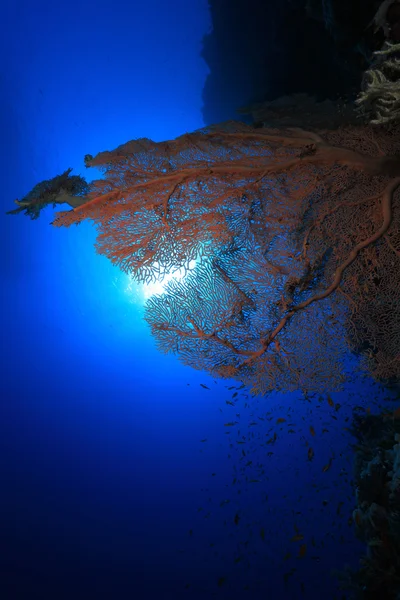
[[107, 489]]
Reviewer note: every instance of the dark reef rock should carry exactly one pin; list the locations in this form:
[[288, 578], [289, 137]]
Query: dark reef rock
[[260, 50]]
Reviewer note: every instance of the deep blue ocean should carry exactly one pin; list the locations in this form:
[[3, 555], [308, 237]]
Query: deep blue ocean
[[118, 478]]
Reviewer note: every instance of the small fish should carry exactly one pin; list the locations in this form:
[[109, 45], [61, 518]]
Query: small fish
[[330, 401], [230, 403], [310, 453], [280, 420], [288, 574], [202, 441], [312, 430], [297, 538], [221, 581], [302, 550], [234, 395], [287, 556], [236, 519], [262, 533], [204, 386], [327, 466], [230, 424]]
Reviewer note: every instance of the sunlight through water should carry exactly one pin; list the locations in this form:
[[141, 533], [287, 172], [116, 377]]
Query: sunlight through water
[[140, 292]]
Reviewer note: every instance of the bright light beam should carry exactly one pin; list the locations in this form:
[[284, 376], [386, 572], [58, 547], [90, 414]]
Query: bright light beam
[[140, 292]]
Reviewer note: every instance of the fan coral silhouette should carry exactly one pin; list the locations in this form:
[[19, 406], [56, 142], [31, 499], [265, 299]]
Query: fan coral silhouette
[[296, 233]]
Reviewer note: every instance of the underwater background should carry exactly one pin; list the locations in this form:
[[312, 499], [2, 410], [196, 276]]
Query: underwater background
[[119, 476]]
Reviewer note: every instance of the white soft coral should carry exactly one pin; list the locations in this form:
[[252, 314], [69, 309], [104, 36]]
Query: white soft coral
[[381, 96]]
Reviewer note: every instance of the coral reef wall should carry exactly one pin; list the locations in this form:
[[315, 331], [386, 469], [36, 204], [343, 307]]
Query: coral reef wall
[[260, 50]]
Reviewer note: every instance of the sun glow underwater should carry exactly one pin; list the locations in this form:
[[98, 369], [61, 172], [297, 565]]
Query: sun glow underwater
[[139, 293]]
